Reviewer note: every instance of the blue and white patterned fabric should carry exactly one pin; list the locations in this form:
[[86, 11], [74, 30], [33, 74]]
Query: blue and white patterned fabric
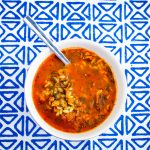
[[123, 27]]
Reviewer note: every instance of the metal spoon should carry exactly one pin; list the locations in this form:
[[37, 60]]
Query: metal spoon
[[33, 25]]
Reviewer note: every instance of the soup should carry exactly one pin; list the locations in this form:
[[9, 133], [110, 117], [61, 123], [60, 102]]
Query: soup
[[76, 97]]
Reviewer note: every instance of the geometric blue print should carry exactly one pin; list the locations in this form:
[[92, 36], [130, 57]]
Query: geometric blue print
[[123, 27]]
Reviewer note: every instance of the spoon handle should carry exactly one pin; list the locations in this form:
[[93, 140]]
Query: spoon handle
[[33, 25]]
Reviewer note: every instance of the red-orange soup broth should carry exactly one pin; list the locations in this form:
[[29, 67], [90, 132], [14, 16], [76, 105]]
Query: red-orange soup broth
[[76, 97]]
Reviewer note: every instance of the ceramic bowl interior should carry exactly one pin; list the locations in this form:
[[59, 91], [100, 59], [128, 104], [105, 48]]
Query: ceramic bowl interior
[[118, 72]]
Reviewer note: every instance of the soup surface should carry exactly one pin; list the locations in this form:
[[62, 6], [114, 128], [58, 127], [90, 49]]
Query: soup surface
[[76, 97]]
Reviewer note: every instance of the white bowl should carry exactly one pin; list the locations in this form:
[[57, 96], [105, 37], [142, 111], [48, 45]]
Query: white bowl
[[120, 81]]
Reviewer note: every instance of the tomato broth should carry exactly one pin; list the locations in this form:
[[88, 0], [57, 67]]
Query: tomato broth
[[76, 97]]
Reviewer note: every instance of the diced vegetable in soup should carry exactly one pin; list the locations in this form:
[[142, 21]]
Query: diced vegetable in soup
[[76, 97]]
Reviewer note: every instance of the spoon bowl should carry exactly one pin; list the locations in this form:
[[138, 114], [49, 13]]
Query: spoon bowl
[[120, 81]]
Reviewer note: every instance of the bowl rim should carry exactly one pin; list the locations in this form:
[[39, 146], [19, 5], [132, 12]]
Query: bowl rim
[[104, 53]]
